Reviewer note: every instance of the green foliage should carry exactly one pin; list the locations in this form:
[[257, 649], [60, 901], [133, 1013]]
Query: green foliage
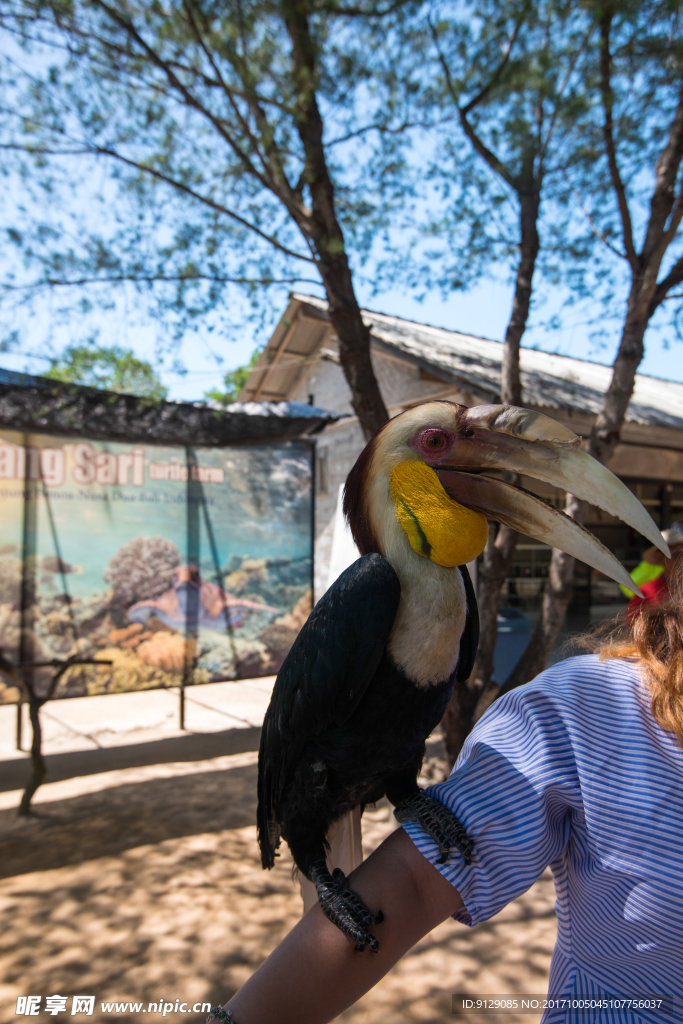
[[509, 84], [185, 125], [646, 72], [527, 78], [111, 369], [234, 381]]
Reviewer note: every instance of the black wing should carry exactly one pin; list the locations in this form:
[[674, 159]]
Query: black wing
[[323, 678], [469, 641]]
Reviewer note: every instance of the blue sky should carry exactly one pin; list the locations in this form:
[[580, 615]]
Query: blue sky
[[482, 311]]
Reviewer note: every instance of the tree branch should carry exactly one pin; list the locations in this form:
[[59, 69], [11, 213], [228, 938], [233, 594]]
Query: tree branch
[[152, 279], [160, 176], [179, 87], [273, 163], [662, 205], [384, 130], [608, 134], [570, 70], [488, 155], [673, 278], [599, 234], [206, 200], [501, 67]]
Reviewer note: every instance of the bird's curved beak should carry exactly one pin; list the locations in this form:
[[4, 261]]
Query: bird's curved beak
[[504, 437]]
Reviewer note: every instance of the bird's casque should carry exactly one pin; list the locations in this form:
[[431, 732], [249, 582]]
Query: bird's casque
[[372, 670]]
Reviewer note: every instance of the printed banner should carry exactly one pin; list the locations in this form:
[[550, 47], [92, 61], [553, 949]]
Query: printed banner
[[174, 564]]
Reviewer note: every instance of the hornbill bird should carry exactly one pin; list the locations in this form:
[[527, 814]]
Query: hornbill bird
[[372, 670]]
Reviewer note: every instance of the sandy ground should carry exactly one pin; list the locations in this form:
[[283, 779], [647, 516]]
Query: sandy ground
[[144, 884]]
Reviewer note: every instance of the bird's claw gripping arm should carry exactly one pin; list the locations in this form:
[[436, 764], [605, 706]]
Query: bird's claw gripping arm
[[343, 908], [440, 822]]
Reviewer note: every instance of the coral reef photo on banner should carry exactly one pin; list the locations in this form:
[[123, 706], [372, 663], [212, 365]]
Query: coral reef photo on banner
[[175, 565]]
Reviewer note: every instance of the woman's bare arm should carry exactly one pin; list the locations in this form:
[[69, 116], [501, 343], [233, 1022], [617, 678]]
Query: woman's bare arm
[[315, 973]]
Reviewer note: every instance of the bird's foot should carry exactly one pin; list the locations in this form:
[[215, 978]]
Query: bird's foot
[[440, 822], [343, 908]]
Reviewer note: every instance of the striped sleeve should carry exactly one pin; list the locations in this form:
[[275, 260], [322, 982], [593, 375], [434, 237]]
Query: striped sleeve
[[513, 788]]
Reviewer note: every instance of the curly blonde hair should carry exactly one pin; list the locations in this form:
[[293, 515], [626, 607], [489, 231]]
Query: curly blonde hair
[[654, 638]]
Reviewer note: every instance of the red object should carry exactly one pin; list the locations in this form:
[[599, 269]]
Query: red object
[[654, 593]]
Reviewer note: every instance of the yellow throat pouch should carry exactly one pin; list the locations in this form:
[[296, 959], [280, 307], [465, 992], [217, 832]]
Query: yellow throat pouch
[[437, 526]]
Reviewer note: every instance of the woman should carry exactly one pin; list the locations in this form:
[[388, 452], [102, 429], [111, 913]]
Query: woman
[[582, 770]]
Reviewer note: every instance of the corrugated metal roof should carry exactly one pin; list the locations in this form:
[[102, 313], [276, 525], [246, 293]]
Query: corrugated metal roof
[[23, 380], [551, 381], [40, 404]]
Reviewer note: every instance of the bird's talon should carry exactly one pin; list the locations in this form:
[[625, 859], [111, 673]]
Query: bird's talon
[[343, 907], [439, 821]]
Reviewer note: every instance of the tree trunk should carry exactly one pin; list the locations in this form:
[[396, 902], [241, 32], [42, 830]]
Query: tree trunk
[[466, 705], [38, 769], [556, 597], [666, 212], [354, 347], [602, 442], [459, 717], [498, 555], [510, 384], [605, 433], [322, 228]]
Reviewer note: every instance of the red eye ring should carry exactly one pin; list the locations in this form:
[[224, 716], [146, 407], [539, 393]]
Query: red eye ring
[[433, 443]]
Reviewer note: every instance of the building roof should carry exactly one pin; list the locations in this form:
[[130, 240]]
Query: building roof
[[466, 361], [38, 404]]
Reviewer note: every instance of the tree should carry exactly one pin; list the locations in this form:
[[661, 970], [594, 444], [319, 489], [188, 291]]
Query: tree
[[22, 679], [112, 369], [209, 116], [636, 182], [234, 381], [512, 73]]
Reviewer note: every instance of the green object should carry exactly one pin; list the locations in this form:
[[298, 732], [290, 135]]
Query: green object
[[234, 381], [111, 368], [643, 573]]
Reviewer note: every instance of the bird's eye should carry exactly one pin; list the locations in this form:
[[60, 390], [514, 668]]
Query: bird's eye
[[433, 442]]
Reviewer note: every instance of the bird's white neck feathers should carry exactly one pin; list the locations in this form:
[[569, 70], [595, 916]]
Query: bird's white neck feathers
[[425, 639]]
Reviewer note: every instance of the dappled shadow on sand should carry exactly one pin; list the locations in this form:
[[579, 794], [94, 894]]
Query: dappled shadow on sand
[[191, 747], [122, 817], [154, 891]]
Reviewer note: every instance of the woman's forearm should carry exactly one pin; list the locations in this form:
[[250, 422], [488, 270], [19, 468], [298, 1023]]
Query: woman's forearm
[[315, 973]]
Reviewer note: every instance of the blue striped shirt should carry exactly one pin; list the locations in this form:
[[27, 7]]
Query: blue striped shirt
[[572, 771]]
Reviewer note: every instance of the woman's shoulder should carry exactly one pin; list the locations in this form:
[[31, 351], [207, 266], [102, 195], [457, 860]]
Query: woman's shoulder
[[585, 718], [584, 693], [586, 672]]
